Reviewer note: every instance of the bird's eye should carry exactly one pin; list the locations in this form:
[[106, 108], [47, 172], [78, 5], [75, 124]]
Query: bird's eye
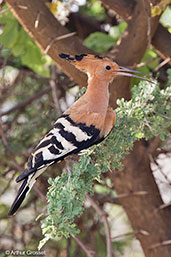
[[108, 67]]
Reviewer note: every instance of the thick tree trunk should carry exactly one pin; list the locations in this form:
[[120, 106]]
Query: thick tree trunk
[[142, 202], [141, 207], [132, 46]]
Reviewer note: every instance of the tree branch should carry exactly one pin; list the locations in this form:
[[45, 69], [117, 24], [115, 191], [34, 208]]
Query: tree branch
[[55, 93], [132, 46], [26, 102], [87, 250], [161, 39], [124, 8], [141, 210], [102, 214], [49, 29], [162, 42]]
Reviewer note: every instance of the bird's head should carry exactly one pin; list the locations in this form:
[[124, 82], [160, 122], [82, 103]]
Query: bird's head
[[99, 67]]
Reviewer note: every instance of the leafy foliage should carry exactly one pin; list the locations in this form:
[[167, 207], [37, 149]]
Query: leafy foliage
[[66, 198], [152, 61], [101, 42], [21, 45], [94, 8], [147, 114]]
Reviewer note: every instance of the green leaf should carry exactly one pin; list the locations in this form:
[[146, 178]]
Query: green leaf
[[7, 16], [122, 26], [10, 34], [166, 18], [99, 42], [33, 58], [139, 135], [150, 54], [96, 10], [169, 76], [32, 55], [151, 57], [115, 32], [20, 44]]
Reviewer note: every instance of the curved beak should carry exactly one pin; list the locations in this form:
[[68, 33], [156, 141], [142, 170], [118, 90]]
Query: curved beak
[[122, 71]]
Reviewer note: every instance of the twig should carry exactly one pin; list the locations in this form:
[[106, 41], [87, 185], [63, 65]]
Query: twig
[[148, 21], [5, 143], [106, 198], [54, 90], [68, 247], [162, 115], [26, 102], [142, 64], [102, 214], [164, 243], [160, 169], [143, 232], [9, 8], [5, 10], [57, 39], [2, 134], [162, 63], [147, 124], [163, 206], [87, 250], [132, 194], [21, 7], [9, 181], [36, 24]]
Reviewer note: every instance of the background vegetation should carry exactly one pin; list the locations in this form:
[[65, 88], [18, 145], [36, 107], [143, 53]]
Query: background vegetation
[[114, 201]]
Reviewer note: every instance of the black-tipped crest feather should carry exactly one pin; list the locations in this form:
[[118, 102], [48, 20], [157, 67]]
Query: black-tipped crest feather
[[72, 58]]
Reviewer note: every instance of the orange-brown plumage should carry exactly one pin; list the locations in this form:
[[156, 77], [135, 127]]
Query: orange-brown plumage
[[91, 108]]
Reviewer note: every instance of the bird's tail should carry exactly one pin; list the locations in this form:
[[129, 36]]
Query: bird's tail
[[22, 192]]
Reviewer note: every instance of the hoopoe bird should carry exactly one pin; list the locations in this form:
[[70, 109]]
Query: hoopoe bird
[[87, 122]]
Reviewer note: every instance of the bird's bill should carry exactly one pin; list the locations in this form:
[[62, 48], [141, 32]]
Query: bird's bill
[[122, 71]]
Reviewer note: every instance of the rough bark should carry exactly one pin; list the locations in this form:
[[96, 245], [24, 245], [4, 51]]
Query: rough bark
[[162, 42], [137, 175], [153, 225], [123, 8]]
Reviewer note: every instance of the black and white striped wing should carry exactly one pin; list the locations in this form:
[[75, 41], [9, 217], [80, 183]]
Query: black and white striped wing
[[66, 137]]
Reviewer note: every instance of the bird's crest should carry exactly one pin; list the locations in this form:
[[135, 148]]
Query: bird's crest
[[83, 62], [80, 57], [72, 57], [87, 62]]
